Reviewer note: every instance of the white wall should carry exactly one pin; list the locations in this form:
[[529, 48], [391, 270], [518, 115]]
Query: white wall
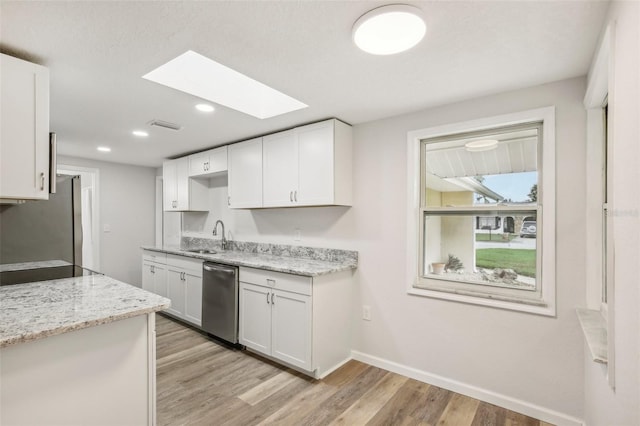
[[535, 359], [126, 197], [603, 406], [319, 226]]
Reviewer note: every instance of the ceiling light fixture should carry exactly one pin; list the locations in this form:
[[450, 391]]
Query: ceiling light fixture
[[389, 29], [481, 145], [205, 108], [140, 133], [104, 149]]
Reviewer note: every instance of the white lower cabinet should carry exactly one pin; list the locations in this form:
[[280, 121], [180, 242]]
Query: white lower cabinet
[[301, 321], [177, 278], [255, 317], [184, 286], [291, 328], [154, 272], [154, 278]]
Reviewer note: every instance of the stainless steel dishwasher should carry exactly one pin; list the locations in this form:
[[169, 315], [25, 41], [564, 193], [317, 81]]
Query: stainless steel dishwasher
[[220, 301]]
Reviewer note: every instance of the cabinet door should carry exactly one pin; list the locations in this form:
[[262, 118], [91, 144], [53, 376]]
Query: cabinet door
[[193, 302], [176, 291], [182, 183], [280, 169], [24, 134], [218, 160], [316, 164], [169, 186], [160, 279], [245, 174], [148, 277], [291, 328], [199, 164], [255, 317]]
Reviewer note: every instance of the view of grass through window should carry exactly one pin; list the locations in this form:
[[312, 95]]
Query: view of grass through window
[[480, 209]]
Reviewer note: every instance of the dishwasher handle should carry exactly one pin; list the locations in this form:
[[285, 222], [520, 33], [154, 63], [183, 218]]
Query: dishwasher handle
[[219, 268]]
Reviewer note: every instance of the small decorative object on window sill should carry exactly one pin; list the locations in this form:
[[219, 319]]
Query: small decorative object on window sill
[[438, 267], [453, 264]]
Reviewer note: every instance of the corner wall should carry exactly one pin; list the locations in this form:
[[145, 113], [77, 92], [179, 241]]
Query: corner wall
[[531, 363], [603, 405], [127, 201]]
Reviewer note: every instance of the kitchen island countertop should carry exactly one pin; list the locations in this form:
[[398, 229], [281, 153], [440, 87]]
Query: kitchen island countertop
[[271, 262], [32, 311]]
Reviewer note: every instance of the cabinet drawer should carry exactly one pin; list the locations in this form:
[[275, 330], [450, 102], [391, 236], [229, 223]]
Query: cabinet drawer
[[186, 263], [154, 256], [277, 280]]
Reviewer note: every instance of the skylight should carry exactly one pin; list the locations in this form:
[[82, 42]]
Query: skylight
[[207, 79]]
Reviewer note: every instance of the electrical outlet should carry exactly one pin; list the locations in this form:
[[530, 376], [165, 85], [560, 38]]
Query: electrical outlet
[[297, 235], [366, 312]]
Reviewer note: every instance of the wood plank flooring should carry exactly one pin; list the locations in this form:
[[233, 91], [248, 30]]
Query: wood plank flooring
[[201, 382]]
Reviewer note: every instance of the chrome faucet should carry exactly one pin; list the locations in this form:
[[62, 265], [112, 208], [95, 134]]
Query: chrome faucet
[[215, 232]]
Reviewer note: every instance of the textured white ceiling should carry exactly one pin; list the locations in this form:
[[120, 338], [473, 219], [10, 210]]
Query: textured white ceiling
[[98, 51]]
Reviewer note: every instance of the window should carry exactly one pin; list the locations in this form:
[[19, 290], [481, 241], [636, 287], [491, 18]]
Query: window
[[481, 235]]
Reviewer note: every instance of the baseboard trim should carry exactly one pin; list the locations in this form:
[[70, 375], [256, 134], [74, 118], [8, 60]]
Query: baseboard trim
[[513, 404]]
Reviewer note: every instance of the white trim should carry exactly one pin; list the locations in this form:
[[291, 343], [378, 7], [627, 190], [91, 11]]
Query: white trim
[[600, 80], [548, 183], [95, 207], [528, 408]]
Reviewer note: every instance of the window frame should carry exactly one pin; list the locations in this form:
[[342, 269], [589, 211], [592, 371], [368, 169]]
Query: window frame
[[546, 213], [600, 253]]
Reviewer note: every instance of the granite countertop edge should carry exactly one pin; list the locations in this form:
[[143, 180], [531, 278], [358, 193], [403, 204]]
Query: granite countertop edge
[[74, 304], [54, 331], [285, 264]]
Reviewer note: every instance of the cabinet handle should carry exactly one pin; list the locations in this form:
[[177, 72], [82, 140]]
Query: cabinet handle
[[267, 298], [153, 270], [41, 181], [291, 196], [229, 200], [272, 301], [295, 196]]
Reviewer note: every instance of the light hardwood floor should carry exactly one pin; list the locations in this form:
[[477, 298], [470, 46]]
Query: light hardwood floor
[[200, 382]]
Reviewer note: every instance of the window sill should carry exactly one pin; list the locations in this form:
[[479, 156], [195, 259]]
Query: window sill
[[484, 299], [594, 328]]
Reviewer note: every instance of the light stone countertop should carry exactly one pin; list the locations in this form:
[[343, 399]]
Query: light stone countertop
[[36, 310], [286, 264], [32, 265]]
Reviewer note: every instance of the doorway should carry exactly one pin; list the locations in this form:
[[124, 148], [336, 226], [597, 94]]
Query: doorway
[[89, 178]]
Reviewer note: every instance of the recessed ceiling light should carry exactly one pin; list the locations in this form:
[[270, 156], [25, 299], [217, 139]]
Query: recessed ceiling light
[[481, 145], [140, 133], [104, 149], [204, 108], [389, 29], [207, 79]]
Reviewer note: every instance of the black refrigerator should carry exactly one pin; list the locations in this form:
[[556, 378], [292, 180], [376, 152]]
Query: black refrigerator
[[44, 229]]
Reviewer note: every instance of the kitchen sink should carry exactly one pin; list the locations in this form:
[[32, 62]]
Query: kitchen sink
[[202, 251]]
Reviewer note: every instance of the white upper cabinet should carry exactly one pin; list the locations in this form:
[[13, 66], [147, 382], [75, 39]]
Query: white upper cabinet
[[279, 168], [208, 163], [181, 193], [24, 134], [308, 166], [245, 174]]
